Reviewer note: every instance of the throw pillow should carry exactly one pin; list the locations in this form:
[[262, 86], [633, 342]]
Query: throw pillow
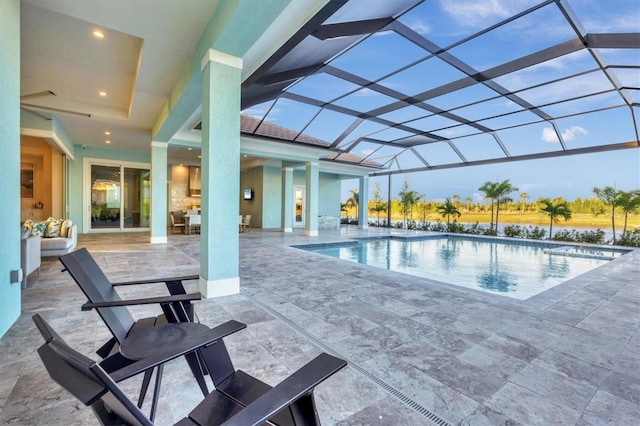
[[64, 228], [38, 228], [53, 228]]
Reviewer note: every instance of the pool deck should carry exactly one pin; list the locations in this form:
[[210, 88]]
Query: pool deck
[[419, 351]]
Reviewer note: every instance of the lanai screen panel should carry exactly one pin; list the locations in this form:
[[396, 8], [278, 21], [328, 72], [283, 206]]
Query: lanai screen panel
[[437, 84]]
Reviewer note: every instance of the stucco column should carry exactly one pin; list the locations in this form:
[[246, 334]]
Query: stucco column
[[159, 192], [10, 302], [287, 200], [311, 213], [363, 202], [219, 238]]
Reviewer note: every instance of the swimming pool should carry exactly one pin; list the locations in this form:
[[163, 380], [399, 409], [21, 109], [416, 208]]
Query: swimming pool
[[517, 269]]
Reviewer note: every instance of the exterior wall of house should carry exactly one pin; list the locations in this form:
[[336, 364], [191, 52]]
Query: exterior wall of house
[[76, 177]]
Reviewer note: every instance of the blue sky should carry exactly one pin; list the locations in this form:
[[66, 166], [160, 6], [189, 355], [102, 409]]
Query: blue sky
[[568, 177]]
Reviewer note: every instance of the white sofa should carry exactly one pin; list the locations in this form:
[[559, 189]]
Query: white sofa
[[29, 255], [58, 246], [57, 236]]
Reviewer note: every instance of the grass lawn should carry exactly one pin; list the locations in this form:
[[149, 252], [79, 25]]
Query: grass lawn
[[578, 220]]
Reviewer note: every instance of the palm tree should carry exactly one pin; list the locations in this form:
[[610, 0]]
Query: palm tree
[[448, 209], [503, 189], [353, 200], [630, 203], [610, 197], [489, 189], [555, 210], [469, 200], [498, 191], [408, 198], [524, 197], [456, 200], [378, 204]]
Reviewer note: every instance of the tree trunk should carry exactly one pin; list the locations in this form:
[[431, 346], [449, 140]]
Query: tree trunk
[[613, 222]]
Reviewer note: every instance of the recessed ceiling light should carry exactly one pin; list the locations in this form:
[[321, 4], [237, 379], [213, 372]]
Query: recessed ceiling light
[[107, 133], [102, 93], [199, 156], [98, 34], [189, 149], [107, 142]]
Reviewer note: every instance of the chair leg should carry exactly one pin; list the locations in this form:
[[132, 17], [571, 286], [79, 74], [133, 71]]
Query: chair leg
[[145, 386], [197, 371]]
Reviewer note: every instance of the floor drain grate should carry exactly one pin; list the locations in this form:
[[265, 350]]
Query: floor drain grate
[[434, 418]]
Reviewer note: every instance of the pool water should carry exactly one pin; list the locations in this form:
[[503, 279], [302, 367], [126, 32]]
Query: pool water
[[515, 269]]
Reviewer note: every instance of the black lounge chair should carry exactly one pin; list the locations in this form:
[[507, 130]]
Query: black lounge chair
[[239, 399], [113, 310]]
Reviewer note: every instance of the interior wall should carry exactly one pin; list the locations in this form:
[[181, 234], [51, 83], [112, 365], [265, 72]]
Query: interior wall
[[178, 197], [48, 181], [272, 190], [253, 179]]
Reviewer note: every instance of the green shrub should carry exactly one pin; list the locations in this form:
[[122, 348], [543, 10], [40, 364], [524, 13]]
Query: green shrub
[[630, 239]]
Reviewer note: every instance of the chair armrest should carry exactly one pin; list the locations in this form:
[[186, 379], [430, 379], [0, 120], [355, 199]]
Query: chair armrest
[[206, 338], [158, 280], [148, 301], [293, 387]]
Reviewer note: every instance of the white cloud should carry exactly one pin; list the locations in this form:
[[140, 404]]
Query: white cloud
[[570, 133], [419, 26], [549, 134]]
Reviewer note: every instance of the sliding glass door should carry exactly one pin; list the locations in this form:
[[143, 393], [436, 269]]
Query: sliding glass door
[[119, 196]]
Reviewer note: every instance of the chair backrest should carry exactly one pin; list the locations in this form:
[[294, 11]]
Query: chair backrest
[[247, 220], [95, 285], [48, 333], [90, 384]]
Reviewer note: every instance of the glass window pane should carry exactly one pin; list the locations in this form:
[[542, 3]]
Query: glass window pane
[[587, 130], [421, 77], [364, 100], [105, 197], [531, 139], [323, 87], [137, 198], [533, 32], [378, 55], [445, 22], [438, 153]]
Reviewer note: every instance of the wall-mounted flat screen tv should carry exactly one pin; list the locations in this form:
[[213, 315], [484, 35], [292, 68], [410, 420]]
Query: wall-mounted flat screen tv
[[247, 194]]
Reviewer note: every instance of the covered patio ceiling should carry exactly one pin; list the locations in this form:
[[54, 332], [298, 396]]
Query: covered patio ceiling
[[415, 85]]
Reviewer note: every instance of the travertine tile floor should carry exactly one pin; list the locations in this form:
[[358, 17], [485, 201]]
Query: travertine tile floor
[[420, 351]]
